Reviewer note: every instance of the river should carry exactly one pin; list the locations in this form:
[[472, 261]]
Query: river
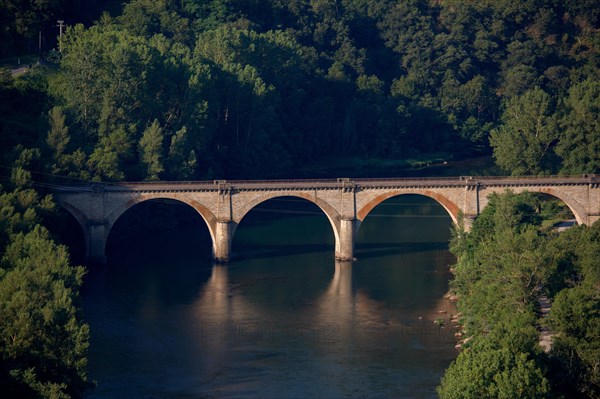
[[282, 319]]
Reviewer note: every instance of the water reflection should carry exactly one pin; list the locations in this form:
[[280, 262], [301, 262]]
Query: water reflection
[[297, 324]]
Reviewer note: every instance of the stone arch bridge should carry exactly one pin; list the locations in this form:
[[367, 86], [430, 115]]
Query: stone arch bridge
[[346, 202]]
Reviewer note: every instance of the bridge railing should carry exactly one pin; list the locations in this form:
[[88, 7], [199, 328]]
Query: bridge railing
[[324, 183]]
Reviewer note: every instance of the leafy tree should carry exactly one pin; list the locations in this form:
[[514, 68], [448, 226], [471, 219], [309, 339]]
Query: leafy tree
[[150, 147], [579, 145], [575, 314], [575, 317], [493, 373], [148, 18], [519, 79], [107, 159], [469, 106], [23, 110], [43, 341], [182, 157], [131, 83], [27, 18], [58, 139], [82, 80], [504, 264], [58, 136], [523, 143]]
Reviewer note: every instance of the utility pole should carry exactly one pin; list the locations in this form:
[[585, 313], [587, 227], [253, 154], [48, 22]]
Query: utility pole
[[60, 30]]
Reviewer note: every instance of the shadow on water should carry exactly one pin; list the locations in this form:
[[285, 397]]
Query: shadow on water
[[65, 227], [283, 319], [277, 251], [158, 249], [378, 250]]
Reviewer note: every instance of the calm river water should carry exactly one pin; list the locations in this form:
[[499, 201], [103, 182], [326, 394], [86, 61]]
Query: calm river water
[[283, 319]]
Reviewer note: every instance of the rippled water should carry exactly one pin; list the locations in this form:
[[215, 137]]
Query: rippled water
[[283, 319]]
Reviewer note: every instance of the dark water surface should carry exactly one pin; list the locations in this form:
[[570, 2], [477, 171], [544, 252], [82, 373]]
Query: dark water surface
[[284, 319]]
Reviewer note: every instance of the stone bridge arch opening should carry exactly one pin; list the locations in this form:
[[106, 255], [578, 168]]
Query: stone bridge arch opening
[[549, 210], [413, 230], [159, 227], [402, 223], [273, 225], [451, 207], [68, 224], [554, 212], [572, 209]]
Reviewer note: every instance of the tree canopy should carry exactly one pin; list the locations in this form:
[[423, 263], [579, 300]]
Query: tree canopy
[[263, 88], [506, 263]]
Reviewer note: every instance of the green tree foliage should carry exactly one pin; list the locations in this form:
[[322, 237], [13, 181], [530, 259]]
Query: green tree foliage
[[114, 84], [23, 106], [494, 374], [58, 139], [576, 350], [151, 148], [502, 265], [497, 277], [262, 83], [24, 19], [579, 145], [147, 18], [43, 342], [505, 263], [182, 157], [523, 143], [575, 314]]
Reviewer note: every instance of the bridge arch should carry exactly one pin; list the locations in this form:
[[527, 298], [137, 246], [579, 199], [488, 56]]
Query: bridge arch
[[82, 220], [581, 215], [330, 212], [450, 207], [207, 216]]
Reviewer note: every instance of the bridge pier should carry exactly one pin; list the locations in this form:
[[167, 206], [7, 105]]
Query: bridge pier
[[222, 241], [344, 248], [468, 221], [96, 234]]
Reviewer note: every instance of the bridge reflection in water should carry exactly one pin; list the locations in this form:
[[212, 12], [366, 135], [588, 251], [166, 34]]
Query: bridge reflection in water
[[275, 323]]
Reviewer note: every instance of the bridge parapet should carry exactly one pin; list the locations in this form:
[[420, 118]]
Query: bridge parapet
[[340, 183]]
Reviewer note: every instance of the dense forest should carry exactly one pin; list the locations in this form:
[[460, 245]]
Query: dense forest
[[190, 89], [507, 263], [43, 339], [183, 89]]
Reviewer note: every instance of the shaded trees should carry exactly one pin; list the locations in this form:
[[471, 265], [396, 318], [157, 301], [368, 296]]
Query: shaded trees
[[43, 351], [505, 263], [261, 83], [579, 145], [151, 148], [115, 84], [575, 314], [523, 144]]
